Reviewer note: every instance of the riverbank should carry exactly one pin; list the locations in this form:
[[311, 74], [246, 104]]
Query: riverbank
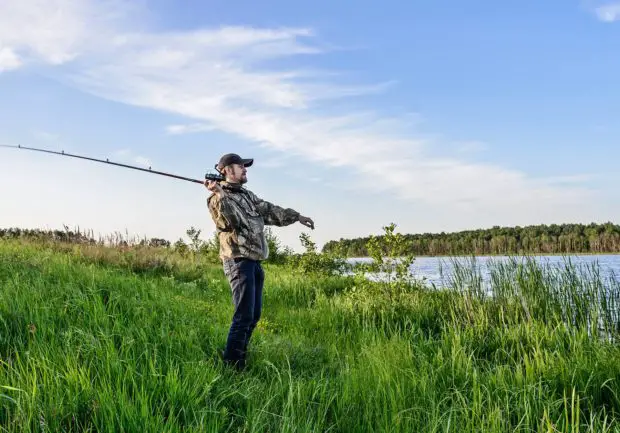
[[501, 255], [100, 339]]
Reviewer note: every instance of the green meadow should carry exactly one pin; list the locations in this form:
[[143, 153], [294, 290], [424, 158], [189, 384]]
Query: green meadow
[[97, 338]]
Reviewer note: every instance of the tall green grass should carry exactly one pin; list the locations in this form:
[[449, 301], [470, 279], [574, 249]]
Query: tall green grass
[[95, 339], [565, 294]]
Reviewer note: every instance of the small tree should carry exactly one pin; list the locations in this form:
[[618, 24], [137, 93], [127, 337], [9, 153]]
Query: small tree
[[158, 242], [391, 261], [181, 247], [211, 248], [277, 253], [194, 235]]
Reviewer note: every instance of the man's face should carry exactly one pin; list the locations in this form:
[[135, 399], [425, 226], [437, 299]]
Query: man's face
[[236, 173]]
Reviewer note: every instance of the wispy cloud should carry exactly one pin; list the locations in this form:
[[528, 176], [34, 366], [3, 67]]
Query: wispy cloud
[[127, 156], [275, 161], [189, 128], [141, 160], [220, 79], [609, 12], [8, 59], [57, 31]]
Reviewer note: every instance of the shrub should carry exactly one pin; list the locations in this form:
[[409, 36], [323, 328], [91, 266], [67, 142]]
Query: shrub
[[390, 265], [277, 253], [312, 262]]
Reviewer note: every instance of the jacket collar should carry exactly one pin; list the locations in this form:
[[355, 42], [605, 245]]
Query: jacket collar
[[232, 186]]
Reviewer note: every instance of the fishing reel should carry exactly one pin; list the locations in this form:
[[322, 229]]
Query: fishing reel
[[216, 177]]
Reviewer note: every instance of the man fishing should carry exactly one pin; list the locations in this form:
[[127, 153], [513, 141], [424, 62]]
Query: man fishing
[[240, 217]]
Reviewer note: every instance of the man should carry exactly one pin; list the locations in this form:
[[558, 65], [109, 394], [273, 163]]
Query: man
[[240, 217]]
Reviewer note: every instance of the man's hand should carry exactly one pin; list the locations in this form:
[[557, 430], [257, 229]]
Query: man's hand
[[306, 221], [214, 187]]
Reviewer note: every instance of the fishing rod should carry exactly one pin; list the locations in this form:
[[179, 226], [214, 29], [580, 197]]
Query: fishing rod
[[210, 176]]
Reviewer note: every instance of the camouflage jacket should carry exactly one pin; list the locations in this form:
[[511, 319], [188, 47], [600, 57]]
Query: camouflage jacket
[[240, 218]]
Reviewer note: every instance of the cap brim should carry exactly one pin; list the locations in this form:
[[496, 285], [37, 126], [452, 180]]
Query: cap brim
[[248, 162]]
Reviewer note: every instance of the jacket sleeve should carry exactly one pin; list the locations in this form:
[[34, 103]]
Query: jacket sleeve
[[275, 215], [223, 213]]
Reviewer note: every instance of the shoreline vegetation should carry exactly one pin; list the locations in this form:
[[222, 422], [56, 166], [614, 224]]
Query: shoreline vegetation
[[122, 335], [542, 240], [554, 239]]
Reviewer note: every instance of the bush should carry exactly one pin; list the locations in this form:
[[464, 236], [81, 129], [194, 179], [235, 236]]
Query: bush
[[277, 254], [311, 262], [390, 265], [209, 250]]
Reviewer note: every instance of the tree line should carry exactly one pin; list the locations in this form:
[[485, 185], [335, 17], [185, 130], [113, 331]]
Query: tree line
[[534, 239], [194, 244]]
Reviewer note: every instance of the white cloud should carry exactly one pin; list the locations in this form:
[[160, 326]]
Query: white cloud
[[56, 31], [122, 152], [127, 156], [275, 161], [609, 12], [8, 59], [141, 160], [189, 129], [219, 79]]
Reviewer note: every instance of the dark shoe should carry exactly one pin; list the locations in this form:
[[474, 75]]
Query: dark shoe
[[237, 364]]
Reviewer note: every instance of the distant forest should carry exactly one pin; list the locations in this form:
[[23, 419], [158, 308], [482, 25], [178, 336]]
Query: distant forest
[[536, 239]]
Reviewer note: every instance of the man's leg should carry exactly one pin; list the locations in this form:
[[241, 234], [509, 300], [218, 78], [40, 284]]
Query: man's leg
[[240, 273], [259, 279]]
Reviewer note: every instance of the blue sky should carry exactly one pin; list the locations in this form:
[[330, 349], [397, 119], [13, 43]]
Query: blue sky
[[438, 116]]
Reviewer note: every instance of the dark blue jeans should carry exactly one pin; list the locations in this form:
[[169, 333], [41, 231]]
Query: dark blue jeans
[[246, 278]]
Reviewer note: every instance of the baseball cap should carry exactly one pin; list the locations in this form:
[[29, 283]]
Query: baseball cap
[[233, 158]]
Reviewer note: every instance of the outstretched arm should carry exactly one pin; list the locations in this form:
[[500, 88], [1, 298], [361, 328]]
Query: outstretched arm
[[279, 216]]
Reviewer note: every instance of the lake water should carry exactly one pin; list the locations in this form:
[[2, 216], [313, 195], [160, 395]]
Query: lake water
[[439, 270]]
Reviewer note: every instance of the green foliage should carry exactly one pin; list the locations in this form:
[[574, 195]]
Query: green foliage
[[181, 247], [38, 235], [307, 243], [196, 244], [156, 242], [277, 253], [390, 262], [208, 250], [535, 239], [313, 262]]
